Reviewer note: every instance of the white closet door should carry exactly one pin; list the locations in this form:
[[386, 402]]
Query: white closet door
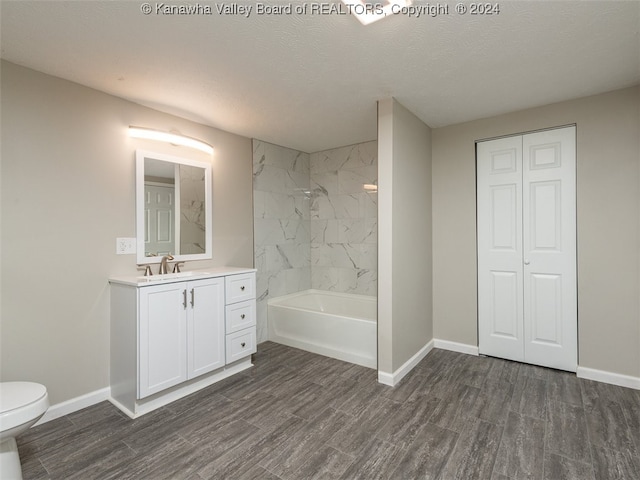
[[527, 300], [549, 207], [500, 285]]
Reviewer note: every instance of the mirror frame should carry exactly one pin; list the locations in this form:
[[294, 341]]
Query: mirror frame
[[141, 155]]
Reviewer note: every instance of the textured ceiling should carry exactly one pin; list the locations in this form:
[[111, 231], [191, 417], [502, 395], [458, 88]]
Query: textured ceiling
[[311, 82]]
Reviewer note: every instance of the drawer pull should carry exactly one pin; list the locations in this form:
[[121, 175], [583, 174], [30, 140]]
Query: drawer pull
[[242, 288], [243, 344], [242, 316]]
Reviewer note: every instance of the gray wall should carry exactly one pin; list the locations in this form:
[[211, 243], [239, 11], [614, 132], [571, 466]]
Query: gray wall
[[608, 205], [404, 213], [67, 192]]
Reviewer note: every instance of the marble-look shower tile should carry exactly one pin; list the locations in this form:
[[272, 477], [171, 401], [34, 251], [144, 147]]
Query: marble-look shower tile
[[259, 210], [368, 258], [357, 230], [367, 153], [368, 205], [339, 230], [325, 183], [321, 208], [273, 179], [346, 206], [280, 205], [366, 282], [262, 326], [298, 279], [334, 279], [280, 231], [335, 206], [340, 255], [334, 159], [351, 230], [285, 158], [353, 181], [324, 278], [285, 256], [324, 231]]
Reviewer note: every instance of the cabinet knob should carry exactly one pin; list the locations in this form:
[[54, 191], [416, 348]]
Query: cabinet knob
[[242, 316], [242, 344], [242, 288]]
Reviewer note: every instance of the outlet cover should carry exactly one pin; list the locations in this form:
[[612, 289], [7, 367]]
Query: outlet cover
[[125, 246]]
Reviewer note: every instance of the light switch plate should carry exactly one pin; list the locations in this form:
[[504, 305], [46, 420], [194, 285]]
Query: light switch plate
[[125, 246]]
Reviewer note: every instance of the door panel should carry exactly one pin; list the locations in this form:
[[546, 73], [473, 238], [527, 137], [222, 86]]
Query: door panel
[[504, 217], [545, 228], [504, 294], [500, 248], [546, 308], [550, 286]]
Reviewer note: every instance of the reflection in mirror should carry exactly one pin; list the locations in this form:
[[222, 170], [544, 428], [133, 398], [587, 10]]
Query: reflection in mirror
[[173, 207]]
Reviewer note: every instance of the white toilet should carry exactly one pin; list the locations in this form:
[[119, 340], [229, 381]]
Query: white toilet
[[21, 405]]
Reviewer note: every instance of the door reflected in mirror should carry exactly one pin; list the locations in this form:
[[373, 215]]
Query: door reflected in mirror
[[173, 207]]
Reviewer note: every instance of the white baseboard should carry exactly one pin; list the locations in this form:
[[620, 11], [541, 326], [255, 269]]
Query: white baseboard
[[609, 377], [73, 405], [456, 347], [394, 378]]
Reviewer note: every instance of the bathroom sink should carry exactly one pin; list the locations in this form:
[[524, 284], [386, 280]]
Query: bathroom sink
[[170, 276]]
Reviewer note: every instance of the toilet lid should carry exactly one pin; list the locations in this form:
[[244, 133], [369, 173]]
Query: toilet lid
[[19, 394]]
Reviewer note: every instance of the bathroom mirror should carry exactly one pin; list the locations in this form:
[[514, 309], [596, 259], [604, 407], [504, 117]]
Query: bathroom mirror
[[173, 208]]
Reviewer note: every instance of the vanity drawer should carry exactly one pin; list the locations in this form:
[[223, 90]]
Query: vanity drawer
[[240, 316], [240, 287], [241, 344]]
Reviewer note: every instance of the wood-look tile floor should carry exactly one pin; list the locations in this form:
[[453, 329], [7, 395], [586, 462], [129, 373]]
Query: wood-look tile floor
[[296, 415]]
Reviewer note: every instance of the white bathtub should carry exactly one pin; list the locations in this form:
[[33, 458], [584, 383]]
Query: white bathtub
[[337, 325]]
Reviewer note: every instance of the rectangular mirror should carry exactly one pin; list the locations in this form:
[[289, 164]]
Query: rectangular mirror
[[173, 208]]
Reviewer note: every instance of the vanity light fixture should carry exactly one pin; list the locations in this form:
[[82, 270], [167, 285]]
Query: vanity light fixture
[[168, 137], [370, 187], [369, 11]]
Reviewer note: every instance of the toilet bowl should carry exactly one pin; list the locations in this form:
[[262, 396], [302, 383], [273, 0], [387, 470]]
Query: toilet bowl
[[21, 405]]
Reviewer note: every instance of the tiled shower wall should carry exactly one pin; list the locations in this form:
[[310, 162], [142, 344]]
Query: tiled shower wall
[[281, 224], [344, 219], [315, 224]]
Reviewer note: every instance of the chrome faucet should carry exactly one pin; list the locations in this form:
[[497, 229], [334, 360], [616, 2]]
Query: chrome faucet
[[163, 264]]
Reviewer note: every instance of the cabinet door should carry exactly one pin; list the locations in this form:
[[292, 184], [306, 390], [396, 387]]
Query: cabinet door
[[205, 326], [162, 338]]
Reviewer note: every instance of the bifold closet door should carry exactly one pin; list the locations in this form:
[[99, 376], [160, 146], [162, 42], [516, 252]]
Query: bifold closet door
[[527, 285]]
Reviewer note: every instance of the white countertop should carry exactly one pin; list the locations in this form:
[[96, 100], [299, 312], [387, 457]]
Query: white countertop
[[142, 281]]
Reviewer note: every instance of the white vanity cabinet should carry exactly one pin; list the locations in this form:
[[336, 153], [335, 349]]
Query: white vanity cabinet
[[174, 334], [181, 332], [240, 316]]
